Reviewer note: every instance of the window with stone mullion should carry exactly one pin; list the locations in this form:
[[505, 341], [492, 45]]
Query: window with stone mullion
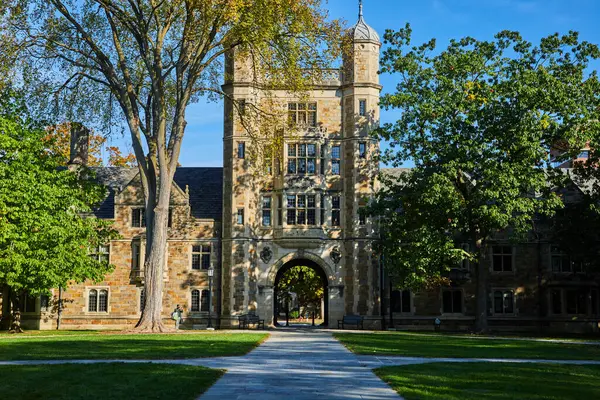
[[562, 262], [101, 253], [302, 158], [502, 259], [503, 302], [201, 257], [301, 209], [266, 211], [302, 114]]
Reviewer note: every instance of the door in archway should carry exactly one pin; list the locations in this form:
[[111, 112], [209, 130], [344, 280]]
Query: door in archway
[[311, 288]]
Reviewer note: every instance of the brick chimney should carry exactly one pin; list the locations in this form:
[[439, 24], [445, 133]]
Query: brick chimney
[[80, 143]]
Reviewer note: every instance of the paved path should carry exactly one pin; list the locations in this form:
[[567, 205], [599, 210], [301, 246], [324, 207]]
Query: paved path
[[297, 365]]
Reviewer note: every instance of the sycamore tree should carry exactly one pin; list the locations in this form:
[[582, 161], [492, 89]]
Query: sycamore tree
[[144, 61], [47, 229], [478, 119]]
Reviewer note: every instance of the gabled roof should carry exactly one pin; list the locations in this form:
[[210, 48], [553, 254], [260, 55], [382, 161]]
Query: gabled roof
[[205, 189], [114, 179]]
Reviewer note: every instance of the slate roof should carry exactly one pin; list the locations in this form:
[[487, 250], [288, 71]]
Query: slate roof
[[205, 187], [114, 179], [206, 190]]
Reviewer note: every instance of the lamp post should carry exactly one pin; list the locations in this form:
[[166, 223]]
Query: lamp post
[[211, 273]]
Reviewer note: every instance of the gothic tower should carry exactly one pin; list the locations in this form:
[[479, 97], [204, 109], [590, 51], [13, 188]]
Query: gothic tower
[[300, 204]]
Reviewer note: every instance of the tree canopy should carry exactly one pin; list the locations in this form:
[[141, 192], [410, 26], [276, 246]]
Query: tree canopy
[[47, 229], [479, 120], [58, 140], [144, 61], [304, 282]]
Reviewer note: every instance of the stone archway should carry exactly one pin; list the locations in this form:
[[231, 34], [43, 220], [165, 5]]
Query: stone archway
[[282, 266]]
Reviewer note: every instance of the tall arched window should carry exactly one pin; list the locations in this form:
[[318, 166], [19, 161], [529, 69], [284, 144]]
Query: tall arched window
[[93, 301], [195, 300], [204, 305], [103, 301]]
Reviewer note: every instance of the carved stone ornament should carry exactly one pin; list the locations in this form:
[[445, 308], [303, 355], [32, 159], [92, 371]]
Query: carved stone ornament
[[336, 255], [266, 254]]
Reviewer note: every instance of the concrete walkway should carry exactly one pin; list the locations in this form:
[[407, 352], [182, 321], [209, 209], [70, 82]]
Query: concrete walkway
[[303, 364]]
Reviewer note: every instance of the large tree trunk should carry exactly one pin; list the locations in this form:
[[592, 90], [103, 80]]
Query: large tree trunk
[[157, 214], [481, 269], [15, 323]]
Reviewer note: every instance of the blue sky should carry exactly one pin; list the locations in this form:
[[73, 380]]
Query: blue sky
[[440, 19]]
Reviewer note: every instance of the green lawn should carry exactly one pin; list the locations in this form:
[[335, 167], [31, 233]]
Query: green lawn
[[466, 381], [52, 333], [105, 381], [423, 345], [127, 346]]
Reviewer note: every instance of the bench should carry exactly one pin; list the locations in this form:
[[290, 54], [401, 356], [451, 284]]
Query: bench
[[351, 320], [246, 320]]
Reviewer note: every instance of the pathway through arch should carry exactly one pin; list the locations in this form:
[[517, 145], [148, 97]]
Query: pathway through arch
[[302, 364]]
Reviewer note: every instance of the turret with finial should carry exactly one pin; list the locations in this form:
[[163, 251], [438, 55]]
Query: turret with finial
[[362, 31]]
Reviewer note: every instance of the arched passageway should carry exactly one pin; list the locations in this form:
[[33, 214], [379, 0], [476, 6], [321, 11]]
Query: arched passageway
[[300, 262]]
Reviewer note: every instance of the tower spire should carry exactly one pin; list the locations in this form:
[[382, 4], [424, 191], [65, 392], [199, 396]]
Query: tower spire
[[360, 9]]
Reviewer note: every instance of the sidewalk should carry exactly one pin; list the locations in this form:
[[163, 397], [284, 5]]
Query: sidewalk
[[297, 365]]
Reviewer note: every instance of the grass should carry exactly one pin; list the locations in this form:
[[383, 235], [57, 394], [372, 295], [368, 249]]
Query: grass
[[52, 333], [422, 345], [127, 346], [105, 381], [466, 381]]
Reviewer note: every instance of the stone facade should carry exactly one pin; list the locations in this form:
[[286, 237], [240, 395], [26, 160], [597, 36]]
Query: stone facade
[[124, 285], [333, 170], [531, 287]]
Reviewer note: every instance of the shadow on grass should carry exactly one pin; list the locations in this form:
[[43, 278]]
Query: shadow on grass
[[475, 381], [128, 346], [108, 381], [414, 345]]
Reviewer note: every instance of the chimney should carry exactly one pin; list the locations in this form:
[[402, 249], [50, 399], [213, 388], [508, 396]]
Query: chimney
[[80, 143]]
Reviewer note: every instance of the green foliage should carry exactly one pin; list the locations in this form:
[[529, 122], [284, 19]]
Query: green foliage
[[499, 381], [304, 282], [479, 120], [46, 227]]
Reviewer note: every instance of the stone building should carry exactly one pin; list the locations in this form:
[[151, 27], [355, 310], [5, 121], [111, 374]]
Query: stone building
[[299, 204], [249, 226], [532, 286], [303, 209]]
